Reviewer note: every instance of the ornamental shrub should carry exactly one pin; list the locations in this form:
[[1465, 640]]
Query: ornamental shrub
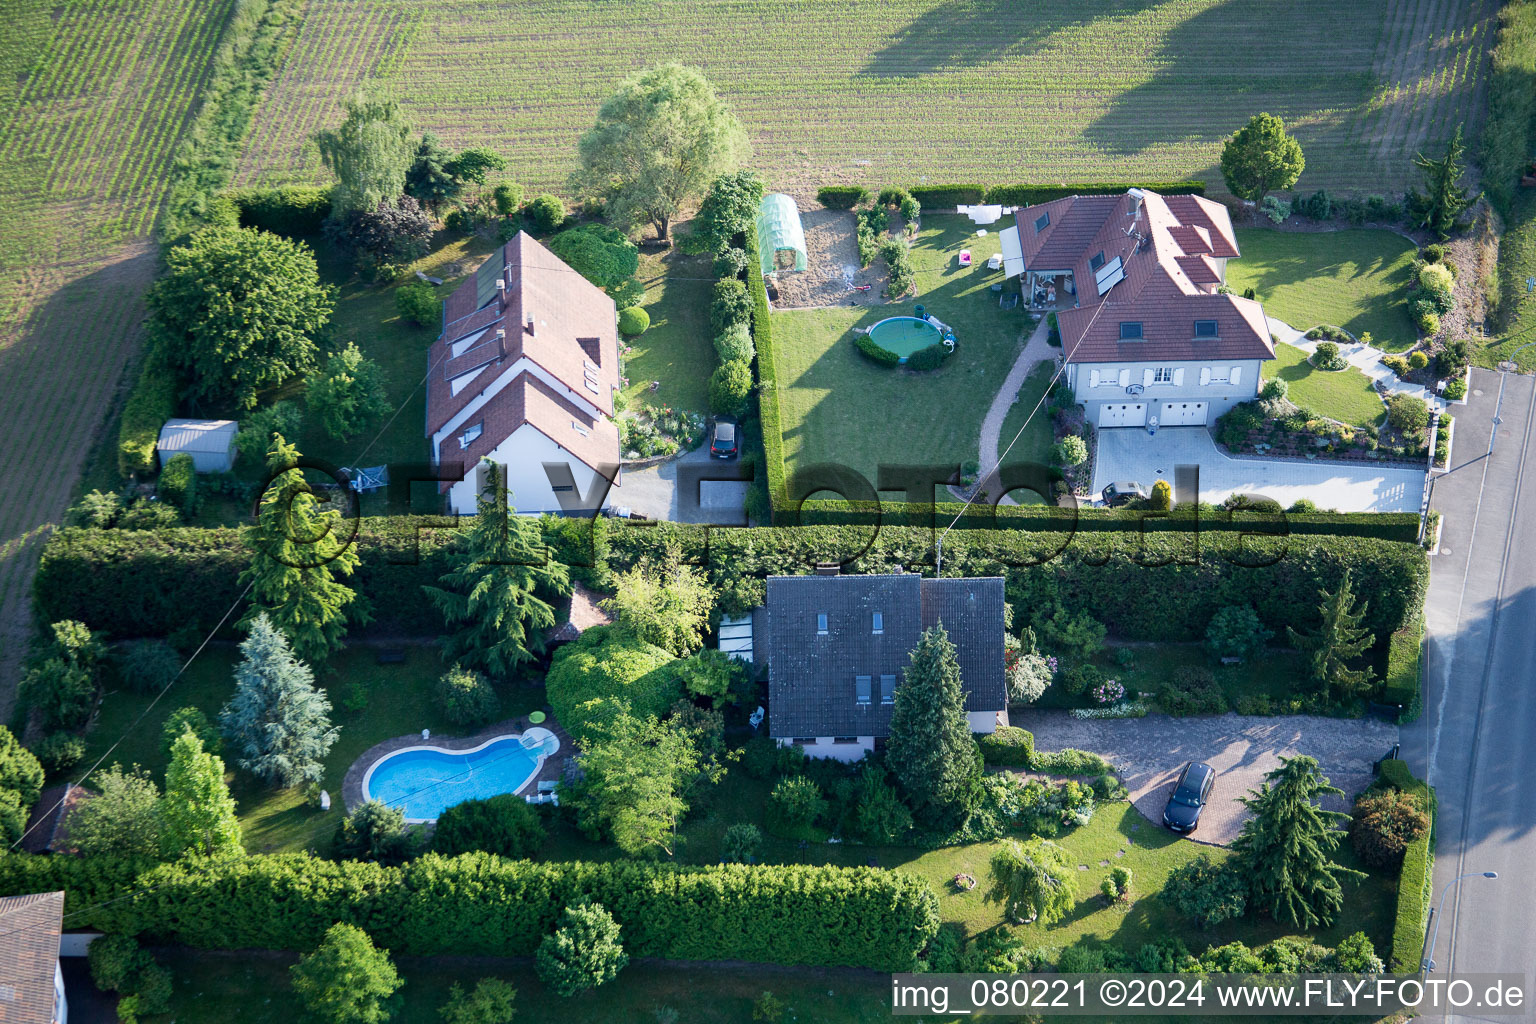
[[794, 805], [1407, 414], [633, 321], [734, 344], [58, 752], [583, 953], [190, 718], [1008, 746], [874, 352], [1070, 762], [1397, 364], [1453, 359], [1192, 690], [466, 697], [729, 388], [1418, 359], [178, 483], [1327, 356], [841, 197], [1079, 678], [418, 302], [1162, 500], [1384, 824], [149, 666], [546, 213], [729, 304], [1206, 891], [1236, 632], [490, 1002], [593, 675], [506, 825], [1274, 388], [1071, 451], [114, 961], [1275, 208], [741, 842], [1437, 278], [930, 358]]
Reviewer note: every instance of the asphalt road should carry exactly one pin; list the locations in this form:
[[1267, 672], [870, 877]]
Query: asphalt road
[[1475, 737]]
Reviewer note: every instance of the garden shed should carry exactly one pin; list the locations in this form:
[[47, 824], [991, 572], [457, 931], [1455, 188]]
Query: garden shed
[[779, 230], [211, 443]]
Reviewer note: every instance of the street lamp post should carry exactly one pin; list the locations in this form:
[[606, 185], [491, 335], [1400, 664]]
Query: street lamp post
[[1428, 963]]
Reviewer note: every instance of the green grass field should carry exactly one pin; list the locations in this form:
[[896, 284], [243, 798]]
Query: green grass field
[[1343, 395], [895, 91], [677, 349], [1517, 301], [839, 407], [1034, 444], [1357, 280]]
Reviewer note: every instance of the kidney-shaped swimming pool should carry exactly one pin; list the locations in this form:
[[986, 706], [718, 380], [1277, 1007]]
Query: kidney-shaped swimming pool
[[424, 781]]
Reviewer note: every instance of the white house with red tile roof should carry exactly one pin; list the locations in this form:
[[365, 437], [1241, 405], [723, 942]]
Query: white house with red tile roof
[[524, 376], [1149, 339]]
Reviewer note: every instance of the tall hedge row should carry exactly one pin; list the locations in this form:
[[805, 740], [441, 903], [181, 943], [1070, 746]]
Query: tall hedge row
[[769, 414], [295, 210], [1404, 670], [1147, 586], [482, 905], [152, 401], [1415, 882], [942, 196]]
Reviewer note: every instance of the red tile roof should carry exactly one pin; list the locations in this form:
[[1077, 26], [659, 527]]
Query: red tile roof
[[555, 318], [29, 956], [1168, 248]]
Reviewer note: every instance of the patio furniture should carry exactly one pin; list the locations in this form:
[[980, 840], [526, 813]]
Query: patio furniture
[[995, 261], [965, 257]]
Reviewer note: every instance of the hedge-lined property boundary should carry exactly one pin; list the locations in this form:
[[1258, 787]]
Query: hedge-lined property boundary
[[968, 194], [482, 905], [296, 211], [151, 402], [1404, 670], [1416, 881]]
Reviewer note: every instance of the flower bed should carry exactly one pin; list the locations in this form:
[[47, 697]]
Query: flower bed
[[664, 432], [1258, 428], [1073, 422]]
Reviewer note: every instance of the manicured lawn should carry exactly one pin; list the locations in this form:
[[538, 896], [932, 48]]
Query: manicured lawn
[[1344, 395], [1517, 302], [400, 701], [1034, 444], [677, 350], [1354, 279], [838, 407]]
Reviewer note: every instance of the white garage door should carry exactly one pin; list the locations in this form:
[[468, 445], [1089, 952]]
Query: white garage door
[[1180, 414], [1122, 414]]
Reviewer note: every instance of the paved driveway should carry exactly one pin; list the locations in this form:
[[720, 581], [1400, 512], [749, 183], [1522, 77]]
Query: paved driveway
[[655, 492], [1130, 453], [1148, 752]]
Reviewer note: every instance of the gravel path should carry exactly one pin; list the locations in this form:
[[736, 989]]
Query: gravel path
[[1036, 350], [1148, 752]]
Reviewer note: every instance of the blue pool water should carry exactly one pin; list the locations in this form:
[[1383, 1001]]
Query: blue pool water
[[423, 782]]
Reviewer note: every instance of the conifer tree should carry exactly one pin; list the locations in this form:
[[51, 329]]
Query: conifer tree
[[1338, 641], [197, 814], [1443, 200], [297, 552], [931, 749], [495, 601], [278, 725], [1285, 849]]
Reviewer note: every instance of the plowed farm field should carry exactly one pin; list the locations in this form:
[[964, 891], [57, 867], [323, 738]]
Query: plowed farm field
[[906, 90]]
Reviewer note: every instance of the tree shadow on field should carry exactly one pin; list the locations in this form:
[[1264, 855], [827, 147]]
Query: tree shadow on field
[[1203, 85], [968, 33]]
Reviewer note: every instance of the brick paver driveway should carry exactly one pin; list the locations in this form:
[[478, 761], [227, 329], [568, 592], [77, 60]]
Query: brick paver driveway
[[1148, 752], [1130, 453]]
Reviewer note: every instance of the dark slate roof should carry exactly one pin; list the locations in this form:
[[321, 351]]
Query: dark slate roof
[[811, 677], [29, 955]]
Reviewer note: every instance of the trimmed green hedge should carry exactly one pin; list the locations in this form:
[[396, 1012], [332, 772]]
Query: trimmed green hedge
[[930, 358], [841, 197], [1416, 880], [178, 482], [1009, 746], [1029, 195], [767, 376], [941, 196], [1404, 664], [156, 391], [294, 210], [875, 353], [481, 905]]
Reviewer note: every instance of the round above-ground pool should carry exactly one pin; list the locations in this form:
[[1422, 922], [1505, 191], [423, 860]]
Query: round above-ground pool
[[905, 335], [424, 781]]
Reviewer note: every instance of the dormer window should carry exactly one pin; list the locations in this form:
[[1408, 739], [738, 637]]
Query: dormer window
[[1042, 222], [1207, 329], [879, 623], [583, 431], [471, 434], [1097, 261], [862, 690], [1130, 330], [821, 623]]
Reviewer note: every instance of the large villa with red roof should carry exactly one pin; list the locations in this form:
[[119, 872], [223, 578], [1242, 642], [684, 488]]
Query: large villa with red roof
[[1149, 337], [524, 376]]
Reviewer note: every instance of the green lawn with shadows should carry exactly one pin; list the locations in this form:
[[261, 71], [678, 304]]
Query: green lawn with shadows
[[677, 349], [839, 407], [1354, 279], [1344, 395]]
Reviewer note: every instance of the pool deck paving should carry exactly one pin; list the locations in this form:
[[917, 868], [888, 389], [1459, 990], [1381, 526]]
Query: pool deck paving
[[549, 771]]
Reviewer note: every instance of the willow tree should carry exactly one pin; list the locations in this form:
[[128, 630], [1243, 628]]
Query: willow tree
[[659, 142], [1032, 880], [298, 551], [495, 602], [370, 153]]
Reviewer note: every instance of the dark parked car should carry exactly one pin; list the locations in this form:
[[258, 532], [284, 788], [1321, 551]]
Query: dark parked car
[[1123, 491], [1190, 795], [724, 445]]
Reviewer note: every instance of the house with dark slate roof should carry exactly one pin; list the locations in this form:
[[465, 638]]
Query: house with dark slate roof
[[523, 375], [837, 646], [1148, 337]]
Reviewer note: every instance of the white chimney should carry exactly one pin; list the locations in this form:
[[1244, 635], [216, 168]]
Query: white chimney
[[1136, 195], [529, 327], [501, 334]]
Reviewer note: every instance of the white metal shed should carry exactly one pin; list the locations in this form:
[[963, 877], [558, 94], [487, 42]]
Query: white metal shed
[[211, 443]]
